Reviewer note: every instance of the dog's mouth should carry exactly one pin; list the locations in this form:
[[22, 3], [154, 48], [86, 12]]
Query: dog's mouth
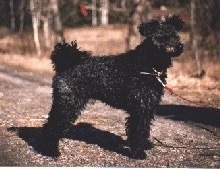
[[174, 51]]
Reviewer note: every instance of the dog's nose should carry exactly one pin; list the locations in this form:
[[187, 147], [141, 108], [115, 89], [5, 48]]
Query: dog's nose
[[180, 46], [178, 50]]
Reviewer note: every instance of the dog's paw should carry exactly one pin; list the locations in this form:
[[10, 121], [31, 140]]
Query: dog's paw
[[54, 153], [148, 145], [139, 155], [49, 146]]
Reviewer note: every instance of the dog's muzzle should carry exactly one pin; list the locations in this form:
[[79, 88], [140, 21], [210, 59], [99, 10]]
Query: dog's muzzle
[[175, 51]]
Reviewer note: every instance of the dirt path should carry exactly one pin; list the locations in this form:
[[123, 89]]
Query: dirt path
[[184, 136]]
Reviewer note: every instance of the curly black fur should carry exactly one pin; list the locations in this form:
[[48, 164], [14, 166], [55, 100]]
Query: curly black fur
[[115, 80], [66, 55]]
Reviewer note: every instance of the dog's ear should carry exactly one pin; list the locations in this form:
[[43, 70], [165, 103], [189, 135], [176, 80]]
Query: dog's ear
[[147, 29], [176, 21]]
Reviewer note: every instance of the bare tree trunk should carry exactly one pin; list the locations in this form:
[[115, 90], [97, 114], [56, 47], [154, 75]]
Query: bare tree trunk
[[141, 12], [123, 4], [46, 29], [35, 7], [21, 11], [130, 27], [148, 11], [46, 18], [57, 21], [194, 36], [104, 12], [35, 23], [94, 13], [12, 14]]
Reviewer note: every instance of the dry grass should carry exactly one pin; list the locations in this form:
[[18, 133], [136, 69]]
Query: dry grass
[[204, 90], [15, 50], [39, 65]]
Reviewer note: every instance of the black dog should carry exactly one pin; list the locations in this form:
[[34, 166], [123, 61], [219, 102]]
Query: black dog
[[121, 81]]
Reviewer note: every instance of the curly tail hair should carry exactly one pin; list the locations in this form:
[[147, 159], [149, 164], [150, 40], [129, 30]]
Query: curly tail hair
[[67, 55]]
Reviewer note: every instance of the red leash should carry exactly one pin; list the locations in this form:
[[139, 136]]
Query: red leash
[[158, 74], [190, 101]]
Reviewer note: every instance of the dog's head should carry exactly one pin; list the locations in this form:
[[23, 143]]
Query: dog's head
[[164, 35]]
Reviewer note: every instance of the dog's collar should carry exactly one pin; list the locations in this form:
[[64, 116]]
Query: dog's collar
[[157, 74]]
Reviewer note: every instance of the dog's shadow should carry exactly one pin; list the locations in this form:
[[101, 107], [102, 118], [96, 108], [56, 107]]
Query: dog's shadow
[[202, 115], [82, 131], [109, 141]]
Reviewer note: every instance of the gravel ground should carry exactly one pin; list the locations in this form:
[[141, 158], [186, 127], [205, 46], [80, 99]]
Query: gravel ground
[[183, 135]]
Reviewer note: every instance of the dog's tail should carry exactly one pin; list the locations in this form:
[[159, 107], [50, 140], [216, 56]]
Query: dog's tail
[[66, 56]]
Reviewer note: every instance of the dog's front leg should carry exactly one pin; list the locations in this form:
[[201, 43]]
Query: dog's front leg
[[138, 125], [137, 131]]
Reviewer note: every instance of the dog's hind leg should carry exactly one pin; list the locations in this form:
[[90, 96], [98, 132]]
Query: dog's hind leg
[[65, 109]]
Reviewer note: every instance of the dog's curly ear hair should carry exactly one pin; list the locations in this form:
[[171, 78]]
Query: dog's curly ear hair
[[146, 29], [176, 21]]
